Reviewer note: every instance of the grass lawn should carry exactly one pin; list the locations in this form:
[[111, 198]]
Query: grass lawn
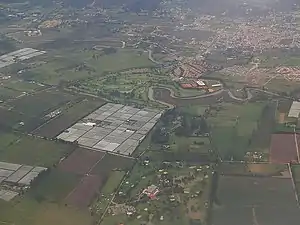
[[34, 151]]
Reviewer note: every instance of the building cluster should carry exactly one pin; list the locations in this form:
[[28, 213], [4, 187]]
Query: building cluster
[[289, 73], [192, 68], [255, 37], [15, 178]]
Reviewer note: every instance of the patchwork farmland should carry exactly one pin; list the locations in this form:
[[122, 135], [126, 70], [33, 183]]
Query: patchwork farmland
[[81, 161], [85, 191], [254, 200], [284, 148], [93, 168]]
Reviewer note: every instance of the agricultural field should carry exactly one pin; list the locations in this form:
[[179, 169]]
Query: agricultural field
[[68, 115], [180, 190], [17, 148], [251, 169], [27, 112], [268, 200], [75, 64], [235, 127], [296, 176], [32, 212], [284, 148], [81, 161], [8, 94], [42, 102], [22, 86], [96, 171], [113, 162]]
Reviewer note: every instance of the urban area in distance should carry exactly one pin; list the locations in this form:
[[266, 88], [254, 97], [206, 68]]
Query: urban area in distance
[[149, 112]]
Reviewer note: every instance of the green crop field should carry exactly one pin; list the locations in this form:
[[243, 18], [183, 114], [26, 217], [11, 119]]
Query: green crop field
[[113, 181], [233, 126], [26, 211], [46, 188], [33, 151]]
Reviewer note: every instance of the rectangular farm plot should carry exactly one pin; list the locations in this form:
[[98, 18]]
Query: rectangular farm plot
[[81, 161], [284, 148], [113, 128], [83, 194], [253, 200], [68, 117]]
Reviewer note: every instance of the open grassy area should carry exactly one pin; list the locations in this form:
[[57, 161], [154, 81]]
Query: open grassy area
[[71, 65], [32, 151]]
